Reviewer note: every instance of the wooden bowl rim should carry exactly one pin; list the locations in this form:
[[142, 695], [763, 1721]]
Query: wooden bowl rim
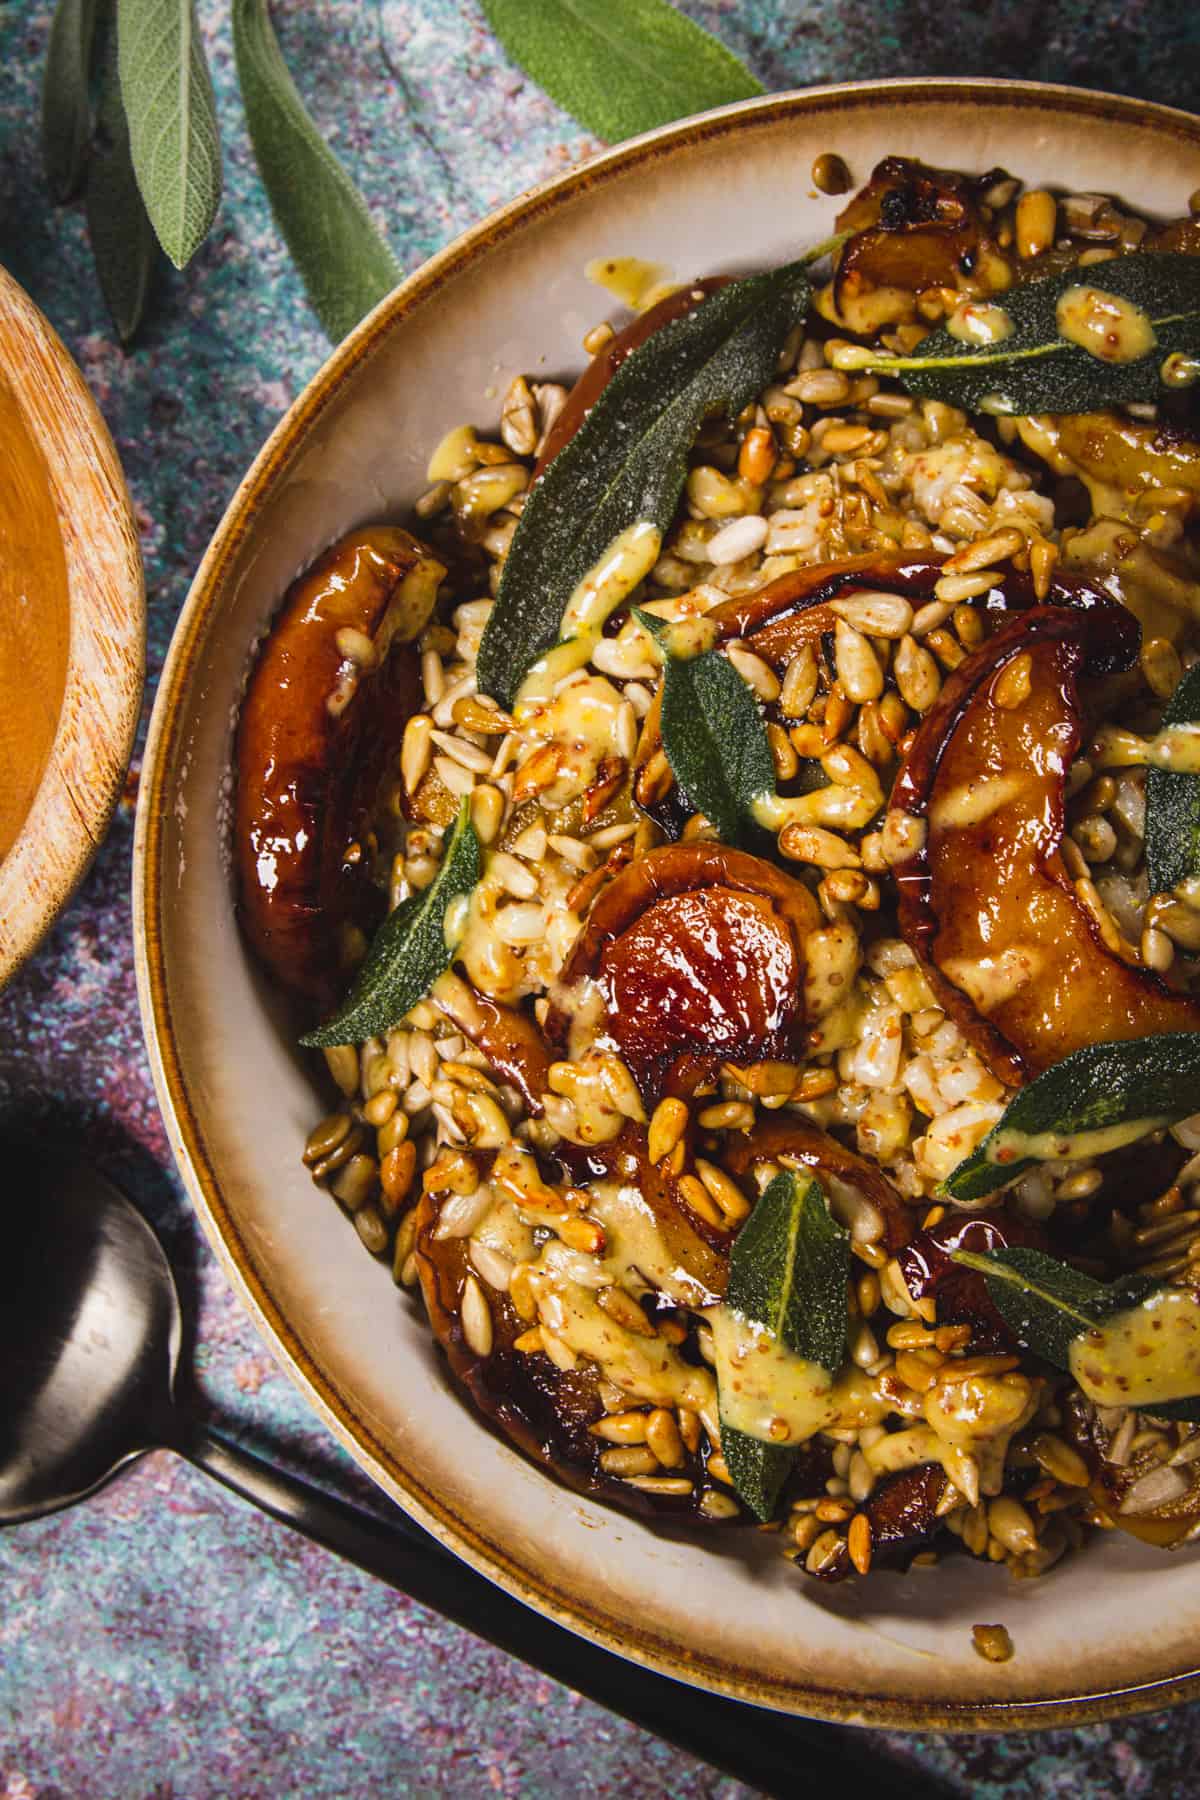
[[102, 695]]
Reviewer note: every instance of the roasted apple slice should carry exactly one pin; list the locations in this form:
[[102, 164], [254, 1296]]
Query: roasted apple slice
[[334, 684], [1155, 1500], [1007, 939], [863, 1197], [695, 952], [914, 227], [548, 1399]]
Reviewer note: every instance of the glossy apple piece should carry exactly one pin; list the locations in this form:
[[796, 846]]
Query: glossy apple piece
[[545, 1410], [793, 1141], [1170, 1523], [334, 684], [916, 227], [1010, 948], [698, 952]]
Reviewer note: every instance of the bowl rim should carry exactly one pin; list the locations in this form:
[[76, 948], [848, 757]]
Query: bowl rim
[[636, 1641], [106, 652]]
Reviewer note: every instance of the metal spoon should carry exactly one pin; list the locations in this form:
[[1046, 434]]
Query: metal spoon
[[90, 1335]]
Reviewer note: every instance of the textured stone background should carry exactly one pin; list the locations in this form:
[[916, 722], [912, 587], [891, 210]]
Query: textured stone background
[[164, 1640]]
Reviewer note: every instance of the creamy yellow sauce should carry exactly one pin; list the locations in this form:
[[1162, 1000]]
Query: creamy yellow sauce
[[634, 282], [635, 1244], [979, 322], [1175, 747], [1010, 1145], [687, 638], [1146, 1354], [565, 1284], [1109, 328], [771, 1394], [624, 565]]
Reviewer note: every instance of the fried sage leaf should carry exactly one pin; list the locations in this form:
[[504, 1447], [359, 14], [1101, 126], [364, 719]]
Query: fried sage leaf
[[345, 265], [620, 66], [410, 949], [789, 1272], [1051, 1307], [1095, 1100], [1047, 1303], [713, 733], [627, 463], [1173, 802], [1035, 369]]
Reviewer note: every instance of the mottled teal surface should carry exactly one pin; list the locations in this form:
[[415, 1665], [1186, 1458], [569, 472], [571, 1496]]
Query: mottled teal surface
[[164, 1640]]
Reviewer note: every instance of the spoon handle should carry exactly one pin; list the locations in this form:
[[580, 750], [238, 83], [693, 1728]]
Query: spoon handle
[[765, 1749]]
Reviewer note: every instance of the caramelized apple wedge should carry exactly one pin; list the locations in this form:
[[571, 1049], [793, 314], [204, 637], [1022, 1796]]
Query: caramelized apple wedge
[[859, 1193], [547, 1400], [694, 952], [333, 687], [1007, 940], [914, 227]]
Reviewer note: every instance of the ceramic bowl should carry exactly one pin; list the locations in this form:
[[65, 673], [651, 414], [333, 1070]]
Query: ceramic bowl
[[73, 619], [1114, 1629]]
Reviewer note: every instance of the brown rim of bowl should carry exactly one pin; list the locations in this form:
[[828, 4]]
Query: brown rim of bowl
[[106, 652], [636, 1642]]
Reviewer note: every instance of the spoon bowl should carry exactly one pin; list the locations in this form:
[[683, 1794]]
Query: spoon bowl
[[90, 1332]]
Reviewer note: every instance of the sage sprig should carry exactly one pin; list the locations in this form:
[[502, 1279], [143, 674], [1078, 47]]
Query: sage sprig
[[410, 949], [1035, 368], [1095, 1100], [172, 112], [627, 463], [146, 148], [346, 266], [789, 1272], [1173, 802], [620, 66], [713, 735]]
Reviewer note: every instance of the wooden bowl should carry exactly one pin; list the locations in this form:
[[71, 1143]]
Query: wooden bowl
[[1113, 1629], [72, 627]]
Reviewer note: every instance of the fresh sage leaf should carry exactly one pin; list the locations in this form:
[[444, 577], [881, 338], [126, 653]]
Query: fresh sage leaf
[[1173, 802], [124, 247], [714, 737], [66, 95], [168, 96], [789, 1273], [409, 951], [627, 462], [1035, 369], [1047, 1305], [619, 66], [345, 265], [1095, 1100]]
